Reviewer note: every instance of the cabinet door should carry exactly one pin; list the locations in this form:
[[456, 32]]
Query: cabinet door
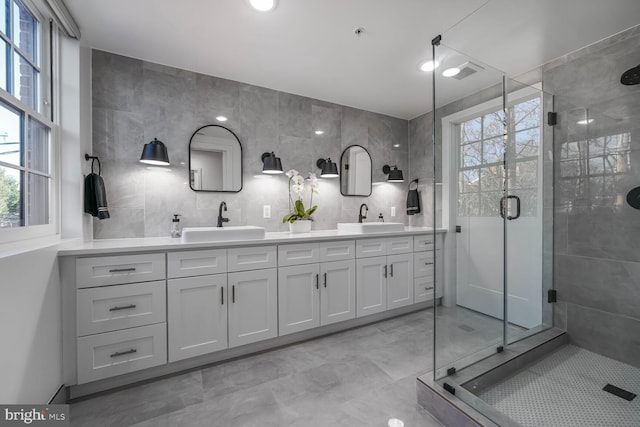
[[371, 285], [400, 281], [197, 310], [298, 298], [253, 306], [337, 291]]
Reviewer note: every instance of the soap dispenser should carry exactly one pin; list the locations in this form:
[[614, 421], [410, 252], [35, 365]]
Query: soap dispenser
[[380, 218], [175, 231]]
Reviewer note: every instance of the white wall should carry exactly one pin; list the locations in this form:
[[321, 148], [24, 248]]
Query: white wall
[[30, 302], [30, 327]]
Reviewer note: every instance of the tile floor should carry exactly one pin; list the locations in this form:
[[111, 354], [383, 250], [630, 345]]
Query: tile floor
[[565, 389], [360, 377]]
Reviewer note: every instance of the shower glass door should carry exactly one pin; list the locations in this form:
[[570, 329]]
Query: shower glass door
[[496, 175]]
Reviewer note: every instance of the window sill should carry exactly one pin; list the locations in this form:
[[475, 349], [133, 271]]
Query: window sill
[[24, 246]]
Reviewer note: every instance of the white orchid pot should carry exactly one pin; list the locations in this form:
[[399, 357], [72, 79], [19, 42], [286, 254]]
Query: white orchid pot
[[300, 226]]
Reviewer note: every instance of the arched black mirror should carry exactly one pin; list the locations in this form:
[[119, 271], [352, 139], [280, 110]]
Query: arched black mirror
[[215, 160], [355, 171]]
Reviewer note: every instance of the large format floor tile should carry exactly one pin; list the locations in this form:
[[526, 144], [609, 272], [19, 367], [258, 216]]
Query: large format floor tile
[[360, 377]]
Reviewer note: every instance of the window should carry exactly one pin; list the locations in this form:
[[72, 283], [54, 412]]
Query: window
[[26, 143], [483, 151]]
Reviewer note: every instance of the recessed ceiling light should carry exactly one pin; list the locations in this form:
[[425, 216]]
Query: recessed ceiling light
[[429, 66], [450, 72], [585, 121], [319, 132], [396, 145], [395, 422], [263, 5], [221, 119]]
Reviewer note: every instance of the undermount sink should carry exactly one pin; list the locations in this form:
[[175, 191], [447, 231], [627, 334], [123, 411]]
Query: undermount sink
[[218, 234], [370, 227]]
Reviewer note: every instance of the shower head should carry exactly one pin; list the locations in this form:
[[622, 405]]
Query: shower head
[[631, 76]]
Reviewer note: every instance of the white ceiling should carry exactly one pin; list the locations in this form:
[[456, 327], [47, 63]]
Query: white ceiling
[[307, 47]]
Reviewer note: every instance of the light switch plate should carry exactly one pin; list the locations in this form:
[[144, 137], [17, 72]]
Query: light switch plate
[[266, 211], [393, 211]]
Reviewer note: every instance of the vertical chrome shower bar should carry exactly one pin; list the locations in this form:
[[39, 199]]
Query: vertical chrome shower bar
[[505, 190], [435, 42]]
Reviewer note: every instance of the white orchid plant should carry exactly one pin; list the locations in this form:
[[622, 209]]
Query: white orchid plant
[[296, 191]]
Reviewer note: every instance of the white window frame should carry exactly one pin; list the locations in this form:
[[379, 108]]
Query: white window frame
[[450, 145], [47, 52]]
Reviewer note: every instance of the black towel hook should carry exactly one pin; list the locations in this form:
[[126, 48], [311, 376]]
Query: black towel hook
[[93, 159]]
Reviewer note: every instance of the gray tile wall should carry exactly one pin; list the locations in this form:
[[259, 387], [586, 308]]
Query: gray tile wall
[[135, 101], [597, 234]]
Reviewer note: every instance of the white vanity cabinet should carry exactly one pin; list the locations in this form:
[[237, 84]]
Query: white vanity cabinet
[[213, 312], [312, 294], [120, 317], [424, 287], [140, 311], [384, 274]]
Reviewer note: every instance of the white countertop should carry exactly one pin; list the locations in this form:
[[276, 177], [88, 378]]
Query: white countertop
[[106, 246]]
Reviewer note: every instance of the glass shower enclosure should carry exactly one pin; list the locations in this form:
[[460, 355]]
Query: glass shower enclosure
[[493, 159]]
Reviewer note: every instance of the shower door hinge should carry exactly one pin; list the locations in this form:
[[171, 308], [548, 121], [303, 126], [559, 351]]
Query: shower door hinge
[[552, 295], [500, 349], [458, 229], [552, 118], [449, 388], [451, 371]]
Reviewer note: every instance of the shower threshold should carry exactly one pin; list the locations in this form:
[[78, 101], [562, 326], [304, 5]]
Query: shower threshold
[[455, 400]]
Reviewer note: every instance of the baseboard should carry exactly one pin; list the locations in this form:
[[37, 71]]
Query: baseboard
[[60, 397]]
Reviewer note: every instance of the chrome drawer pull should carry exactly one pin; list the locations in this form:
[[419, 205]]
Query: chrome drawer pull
[[123, 353], [122, 270], [124, 307], [428, 263], [428, 289]]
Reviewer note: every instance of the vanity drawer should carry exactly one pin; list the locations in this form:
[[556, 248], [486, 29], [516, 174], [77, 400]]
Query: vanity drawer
[[423, 243], [120, 352], [303, 253], [111, 308], [399, 245], [337, 251], [252, 258], [196, 263], [115, 270], [366, 248], [423, 289], [423, 263]]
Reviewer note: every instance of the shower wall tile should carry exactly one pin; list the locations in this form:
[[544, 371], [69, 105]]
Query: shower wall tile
[[597, 235], [603, 284], [135, 101], [605, 333]]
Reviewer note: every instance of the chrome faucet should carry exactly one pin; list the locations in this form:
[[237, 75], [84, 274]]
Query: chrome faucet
[[360, 216], [222, 219]]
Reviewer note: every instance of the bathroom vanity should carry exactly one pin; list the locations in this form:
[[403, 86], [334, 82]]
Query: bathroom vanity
[[135, 309]]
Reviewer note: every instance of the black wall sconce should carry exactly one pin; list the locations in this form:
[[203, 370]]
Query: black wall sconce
[[328, 168], [155, 153], [395, 174], [271, 164]]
